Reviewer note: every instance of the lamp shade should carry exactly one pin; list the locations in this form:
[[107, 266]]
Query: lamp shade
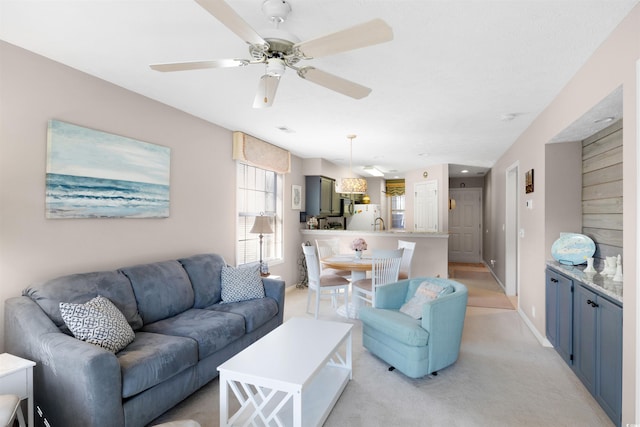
[[261, 225], [353, 185]]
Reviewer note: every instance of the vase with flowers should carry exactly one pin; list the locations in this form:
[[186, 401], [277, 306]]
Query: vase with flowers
[[359, 245]]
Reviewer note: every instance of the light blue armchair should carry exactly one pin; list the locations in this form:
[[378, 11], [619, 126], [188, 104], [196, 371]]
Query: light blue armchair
[[416, 347]]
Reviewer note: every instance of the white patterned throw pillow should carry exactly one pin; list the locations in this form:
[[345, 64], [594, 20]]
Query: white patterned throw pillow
[[427, 291], [98, 322], [242, 283]]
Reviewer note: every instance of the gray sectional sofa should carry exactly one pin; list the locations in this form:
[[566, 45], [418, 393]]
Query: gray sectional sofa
[[182, 334]]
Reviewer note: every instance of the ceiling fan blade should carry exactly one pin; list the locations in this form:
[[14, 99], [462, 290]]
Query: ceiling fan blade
[[198, 65], [330, 81], [362, 35], [225, 14], [266, 91]]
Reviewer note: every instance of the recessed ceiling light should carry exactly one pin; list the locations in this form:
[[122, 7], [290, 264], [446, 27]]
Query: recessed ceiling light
[[604, 120], [464, 171], [507, 117]]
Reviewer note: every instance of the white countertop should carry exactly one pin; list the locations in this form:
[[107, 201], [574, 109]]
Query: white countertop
[[391, 233], [595, 280]]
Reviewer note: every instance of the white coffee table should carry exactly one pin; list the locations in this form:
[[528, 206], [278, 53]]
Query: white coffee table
[[291, 377]]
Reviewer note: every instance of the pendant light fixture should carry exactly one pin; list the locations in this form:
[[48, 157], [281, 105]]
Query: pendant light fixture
[[352, 185]]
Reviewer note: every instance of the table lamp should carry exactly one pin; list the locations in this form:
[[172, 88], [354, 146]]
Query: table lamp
[[262, 226]]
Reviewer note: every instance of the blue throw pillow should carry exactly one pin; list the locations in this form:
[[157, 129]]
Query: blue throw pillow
[[242, 283]]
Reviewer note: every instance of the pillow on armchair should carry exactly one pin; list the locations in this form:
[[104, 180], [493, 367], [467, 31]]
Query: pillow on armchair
[[426, 292]]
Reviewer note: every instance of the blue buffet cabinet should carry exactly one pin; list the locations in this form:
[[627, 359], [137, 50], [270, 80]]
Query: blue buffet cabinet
[[559, 312], [585, 328]]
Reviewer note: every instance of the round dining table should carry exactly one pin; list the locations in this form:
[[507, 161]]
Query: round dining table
[[358, 268]]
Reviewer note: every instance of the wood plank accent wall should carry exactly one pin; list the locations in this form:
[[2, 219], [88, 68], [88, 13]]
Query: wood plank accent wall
[[602, 191]]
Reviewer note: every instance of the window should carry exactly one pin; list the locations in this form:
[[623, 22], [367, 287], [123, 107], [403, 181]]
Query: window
[[259, 190], [397, 211]]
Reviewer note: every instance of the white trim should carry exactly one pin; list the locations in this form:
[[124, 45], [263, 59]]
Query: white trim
[[637, 279], [515, 288]]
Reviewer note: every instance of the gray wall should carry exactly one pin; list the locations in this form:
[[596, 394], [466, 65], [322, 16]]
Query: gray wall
[[34, 249], [614, 64]]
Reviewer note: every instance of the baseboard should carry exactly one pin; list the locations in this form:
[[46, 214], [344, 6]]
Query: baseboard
[[541, 339], [495, 277]]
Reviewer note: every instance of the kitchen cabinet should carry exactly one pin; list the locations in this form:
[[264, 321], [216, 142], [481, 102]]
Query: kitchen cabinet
[[321, 197], [585, 328], [559, 314], [598, 348]]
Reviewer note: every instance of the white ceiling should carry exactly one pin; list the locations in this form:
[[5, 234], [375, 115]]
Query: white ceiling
[[458, 84]]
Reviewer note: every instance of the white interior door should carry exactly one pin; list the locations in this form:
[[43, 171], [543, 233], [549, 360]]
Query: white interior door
[[465, 225], [426, 206]]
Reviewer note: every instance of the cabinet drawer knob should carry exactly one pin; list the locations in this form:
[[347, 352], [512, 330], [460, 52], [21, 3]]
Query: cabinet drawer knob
[[592, 303]]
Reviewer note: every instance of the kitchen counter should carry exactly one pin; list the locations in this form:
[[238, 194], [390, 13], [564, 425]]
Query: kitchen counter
[[430, 258], [602, 284], [360, 233]]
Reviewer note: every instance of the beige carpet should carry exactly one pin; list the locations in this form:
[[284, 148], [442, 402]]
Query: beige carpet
[[503, 378], [484, 291]]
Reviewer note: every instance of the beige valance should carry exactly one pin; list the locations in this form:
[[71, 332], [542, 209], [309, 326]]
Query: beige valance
[[259, 153], [395, 187]]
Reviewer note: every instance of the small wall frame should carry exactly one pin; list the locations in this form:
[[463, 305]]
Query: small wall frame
[[296, 197], [528, 181]]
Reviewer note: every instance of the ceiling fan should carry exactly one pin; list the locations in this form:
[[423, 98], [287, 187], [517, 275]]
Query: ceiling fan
[[278, 49]]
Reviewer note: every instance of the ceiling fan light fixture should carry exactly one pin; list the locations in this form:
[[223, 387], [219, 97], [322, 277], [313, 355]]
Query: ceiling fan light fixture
[[275, 67], [278, 49]]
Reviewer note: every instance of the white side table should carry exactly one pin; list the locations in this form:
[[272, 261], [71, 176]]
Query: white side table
[[16, 377]]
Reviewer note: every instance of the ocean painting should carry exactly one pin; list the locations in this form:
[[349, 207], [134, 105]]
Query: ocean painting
[[94, 174]]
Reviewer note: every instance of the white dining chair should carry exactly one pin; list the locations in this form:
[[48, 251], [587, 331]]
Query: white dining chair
[[326, 249], [330, 284], [385, 267], [407, 255]]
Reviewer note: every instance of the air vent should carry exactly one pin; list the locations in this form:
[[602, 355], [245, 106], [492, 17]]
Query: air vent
[[285, 129]]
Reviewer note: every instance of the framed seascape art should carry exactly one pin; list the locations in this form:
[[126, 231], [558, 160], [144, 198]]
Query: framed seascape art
[[94, 174], [296, 197]]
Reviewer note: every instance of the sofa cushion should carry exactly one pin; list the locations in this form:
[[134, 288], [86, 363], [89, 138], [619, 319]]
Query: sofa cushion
[[256, 312], [162, 289], [427, 291], [396, 325], [212, 330], [80, 288], [205, 272], [152, 358], [241, 284], [98, 322]]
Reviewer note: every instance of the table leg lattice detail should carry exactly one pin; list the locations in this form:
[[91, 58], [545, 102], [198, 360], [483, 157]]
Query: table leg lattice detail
[[260, 403]]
